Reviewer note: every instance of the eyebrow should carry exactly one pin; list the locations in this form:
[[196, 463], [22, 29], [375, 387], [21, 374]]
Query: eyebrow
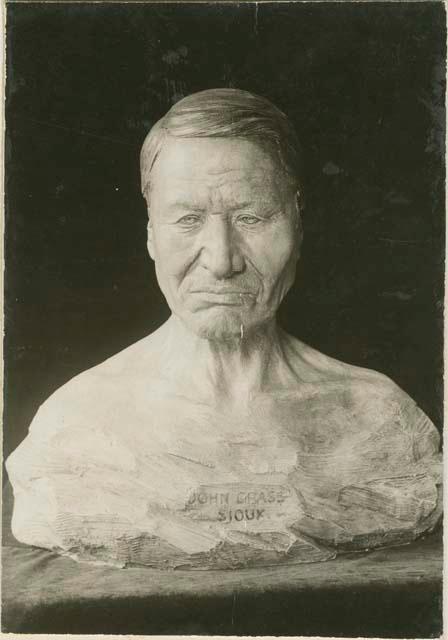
[[181, 204]]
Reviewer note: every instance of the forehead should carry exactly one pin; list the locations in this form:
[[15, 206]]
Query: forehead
[[189, 164]]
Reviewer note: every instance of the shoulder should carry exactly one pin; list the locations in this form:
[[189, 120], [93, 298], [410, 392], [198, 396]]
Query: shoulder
[[373, 404], [87, 418], [97, 394]]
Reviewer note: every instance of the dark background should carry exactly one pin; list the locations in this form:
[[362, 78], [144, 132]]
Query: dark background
[[364, 85]]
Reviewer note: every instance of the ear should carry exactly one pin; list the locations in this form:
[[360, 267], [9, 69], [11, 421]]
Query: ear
[[150, 240]]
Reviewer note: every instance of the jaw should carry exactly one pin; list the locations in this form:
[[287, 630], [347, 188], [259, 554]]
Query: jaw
[[224, 324], [229, 320]]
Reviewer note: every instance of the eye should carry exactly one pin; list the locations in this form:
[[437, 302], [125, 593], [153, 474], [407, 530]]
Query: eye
[[189, 220], [248, 219]]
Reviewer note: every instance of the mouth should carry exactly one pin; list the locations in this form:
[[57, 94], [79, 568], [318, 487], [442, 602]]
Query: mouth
[[223, 296]]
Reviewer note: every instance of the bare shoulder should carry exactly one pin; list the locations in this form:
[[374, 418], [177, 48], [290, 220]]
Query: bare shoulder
[[99, 394], [319, 367], [370, 401], [88, 418]]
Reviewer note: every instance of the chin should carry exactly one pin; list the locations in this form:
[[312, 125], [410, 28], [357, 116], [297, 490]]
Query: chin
[[216, 324]]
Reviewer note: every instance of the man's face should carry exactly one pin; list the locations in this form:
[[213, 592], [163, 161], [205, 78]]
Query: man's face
[[223, 234]]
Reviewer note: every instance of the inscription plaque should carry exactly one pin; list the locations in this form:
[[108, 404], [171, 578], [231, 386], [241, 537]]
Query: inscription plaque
[[244, 505]]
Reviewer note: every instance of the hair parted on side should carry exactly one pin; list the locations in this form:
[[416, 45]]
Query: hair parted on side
[[225, 113]]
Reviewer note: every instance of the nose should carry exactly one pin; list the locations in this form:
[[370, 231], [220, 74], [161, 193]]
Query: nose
[[220, 253]]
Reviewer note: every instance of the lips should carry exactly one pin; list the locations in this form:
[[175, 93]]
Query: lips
[[222, 291], [223, 296]]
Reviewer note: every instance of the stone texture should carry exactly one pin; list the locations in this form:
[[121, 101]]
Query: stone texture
[[118, 468]]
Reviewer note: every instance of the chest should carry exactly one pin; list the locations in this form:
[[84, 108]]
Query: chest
[[265, 435]]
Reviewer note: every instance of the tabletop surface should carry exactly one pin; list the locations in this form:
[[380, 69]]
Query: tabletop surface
[[34, 575]]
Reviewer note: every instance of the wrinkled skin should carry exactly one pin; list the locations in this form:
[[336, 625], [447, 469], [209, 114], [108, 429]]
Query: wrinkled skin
[[224, 234]]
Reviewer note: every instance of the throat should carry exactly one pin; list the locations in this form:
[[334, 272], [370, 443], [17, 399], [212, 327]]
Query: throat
[[223, 371]]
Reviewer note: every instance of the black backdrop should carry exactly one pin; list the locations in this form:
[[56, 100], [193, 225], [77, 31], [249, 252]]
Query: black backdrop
[[364, 85]]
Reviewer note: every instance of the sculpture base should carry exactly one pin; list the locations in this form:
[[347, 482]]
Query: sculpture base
[[155, 553]]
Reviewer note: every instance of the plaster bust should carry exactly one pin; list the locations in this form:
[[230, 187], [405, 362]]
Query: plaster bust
[[220, 440]]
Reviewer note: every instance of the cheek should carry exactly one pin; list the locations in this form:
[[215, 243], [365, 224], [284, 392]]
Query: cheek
[[273, 253], [172, 254]]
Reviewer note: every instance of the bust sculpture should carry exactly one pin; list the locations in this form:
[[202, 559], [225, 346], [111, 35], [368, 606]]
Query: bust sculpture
[[220, 441]]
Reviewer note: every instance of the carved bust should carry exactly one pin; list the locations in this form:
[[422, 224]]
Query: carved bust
[[220, 440]]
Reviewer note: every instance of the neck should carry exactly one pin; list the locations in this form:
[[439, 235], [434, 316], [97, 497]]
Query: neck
[[228, 370]]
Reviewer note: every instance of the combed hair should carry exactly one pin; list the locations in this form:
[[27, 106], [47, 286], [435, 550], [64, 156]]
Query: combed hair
[[225, 113]]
